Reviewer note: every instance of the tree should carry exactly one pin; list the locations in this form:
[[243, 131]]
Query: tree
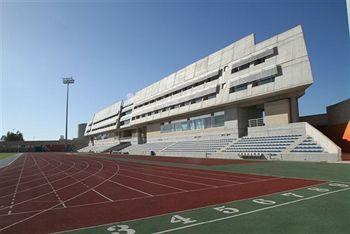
[[12, 136]]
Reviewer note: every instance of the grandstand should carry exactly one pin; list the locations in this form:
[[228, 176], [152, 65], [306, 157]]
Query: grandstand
[[238, 102]]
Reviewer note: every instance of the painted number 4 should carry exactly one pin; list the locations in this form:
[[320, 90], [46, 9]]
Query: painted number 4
[[226, 210], [180, 219], [121, 229]]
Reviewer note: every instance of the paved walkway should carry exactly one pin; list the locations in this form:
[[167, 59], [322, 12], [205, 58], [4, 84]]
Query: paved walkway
[[6, 161]]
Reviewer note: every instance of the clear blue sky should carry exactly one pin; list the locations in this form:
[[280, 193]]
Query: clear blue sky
[[112, 48]]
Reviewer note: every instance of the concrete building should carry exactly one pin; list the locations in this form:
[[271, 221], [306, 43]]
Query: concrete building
[[246, 89], [81, 130]]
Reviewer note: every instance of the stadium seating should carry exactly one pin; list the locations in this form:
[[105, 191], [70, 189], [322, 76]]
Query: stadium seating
[[267, 144], [100, 146], [203, 146], [308, 146], [146, 148]]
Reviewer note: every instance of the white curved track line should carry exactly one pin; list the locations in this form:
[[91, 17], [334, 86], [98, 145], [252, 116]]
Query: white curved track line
[[100, 194], [24, 177], [118, 183], [30, 168], [73, 165], [151, 182], [47, 180], [199, 171], [167, 175], [50, 208], [147, 181], [50, 192], [159, 195], [25, 190]]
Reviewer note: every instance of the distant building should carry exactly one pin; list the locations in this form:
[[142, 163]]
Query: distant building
[[81, 129], [335, 123]]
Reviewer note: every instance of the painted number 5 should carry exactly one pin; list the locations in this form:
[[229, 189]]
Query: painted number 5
[[180, 219], [226, 210], [121, 229]]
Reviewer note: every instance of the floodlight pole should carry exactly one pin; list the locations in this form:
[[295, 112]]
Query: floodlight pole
[[67, 81]]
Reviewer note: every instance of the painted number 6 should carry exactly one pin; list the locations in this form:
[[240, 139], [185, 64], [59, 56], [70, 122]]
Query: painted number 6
[[119, 229]]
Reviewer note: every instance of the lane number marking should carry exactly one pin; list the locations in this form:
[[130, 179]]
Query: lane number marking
[[226, 210], [292, 195], [180, 219], [117, 229], [264, 201], [338, 185], [321, 190]]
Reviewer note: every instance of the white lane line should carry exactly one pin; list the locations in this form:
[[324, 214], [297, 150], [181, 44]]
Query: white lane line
[[33, 198], [130, 188], [162, 195], [199, 171], [250, 212], [47, 180], [115, 182], [73, 165], [19, 179], [52, 207], [102, 195], [109, 180], [151, 182], [32, 175], [188, 175], [170, 178]]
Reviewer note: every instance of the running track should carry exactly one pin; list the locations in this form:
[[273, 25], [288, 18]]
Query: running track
[[50, 192]]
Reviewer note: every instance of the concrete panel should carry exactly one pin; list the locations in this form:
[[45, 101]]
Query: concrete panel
[[201, 66], [277, 113]]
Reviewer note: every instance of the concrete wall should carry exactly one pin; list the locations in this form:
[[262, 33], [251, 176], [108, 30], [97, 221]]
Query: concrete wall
[[277, 113], [273, 130], [339, 113], [316, 120]]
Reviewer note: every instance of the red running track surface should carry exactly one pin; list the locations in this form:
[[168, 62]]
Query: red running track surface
[[50, 192], [186, 160]]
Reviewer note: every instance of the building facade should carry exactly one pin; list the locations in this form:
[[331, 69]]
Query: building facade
[[244, 84]]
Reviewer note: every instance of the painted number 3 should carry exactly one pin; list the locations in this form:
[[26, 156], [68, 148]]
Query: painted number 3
[[121, 229]]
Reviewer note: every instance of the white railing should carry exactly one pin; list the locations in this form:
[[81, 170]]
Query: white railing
[[256, 122]]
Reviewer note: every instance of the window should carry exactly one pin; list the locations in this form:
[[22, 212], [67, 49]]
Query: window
[[234, 70], [263, 81], [258, 61], [238, 88]]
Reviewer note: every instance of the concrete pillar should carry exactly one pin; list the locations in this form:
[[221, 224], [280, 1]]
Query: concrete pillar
[[231, 120], [277, 113], [294, 109]]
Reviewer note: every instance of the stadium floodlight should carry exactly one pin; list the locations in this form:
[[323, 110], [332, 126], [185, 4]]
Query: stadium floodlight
[[67, 81]]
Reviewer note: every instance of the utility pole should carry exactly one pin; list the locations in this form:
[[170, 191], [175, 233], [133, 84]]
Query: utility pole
[[67, 81]]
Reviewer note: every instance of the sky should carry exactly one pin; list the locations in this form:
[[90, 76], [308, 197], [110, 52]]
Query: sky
[[114, 48]]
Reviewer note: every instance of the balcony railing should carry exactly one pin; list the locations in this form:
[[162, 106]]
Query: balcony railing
[[256, 122]]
